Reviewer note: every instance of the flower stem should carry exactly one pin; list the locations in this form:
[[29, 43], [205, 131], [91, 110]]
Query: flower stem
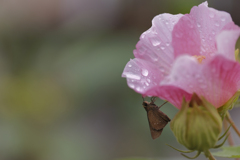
[[230, 140], [209, 155], [228, 118]]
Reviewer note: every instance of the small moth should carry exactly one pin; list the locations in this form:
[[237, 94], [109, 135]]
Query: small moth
[[156, 118]]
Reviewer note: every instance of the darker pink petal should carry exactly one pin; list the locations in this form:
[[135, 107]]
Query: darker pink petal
[[217, 79], [170, 93]]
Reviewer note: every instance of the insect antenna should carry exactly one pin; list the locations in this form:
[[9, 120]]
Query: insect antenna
[[162, 104]]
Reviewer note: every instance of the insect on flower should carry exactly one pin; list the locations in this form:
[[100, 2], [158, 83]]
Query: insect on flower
[[156, 118]]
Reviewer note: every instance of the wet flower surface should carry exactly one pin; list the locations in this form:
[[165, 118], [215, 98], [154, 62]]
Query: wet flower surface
[[185, 54]]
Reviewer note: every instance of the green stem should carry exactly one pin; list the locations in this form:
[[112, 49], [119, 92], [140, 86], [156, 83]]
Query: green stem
[[228, 118], [209, 155]]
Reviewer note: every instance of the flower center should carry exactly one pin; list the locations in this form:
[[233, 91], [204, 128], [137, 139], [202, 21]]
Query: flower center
[[200, 58]]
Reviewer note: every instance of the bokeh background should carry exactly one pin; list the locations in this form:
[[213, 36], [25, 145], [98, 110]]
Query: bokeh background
[[61, 92]]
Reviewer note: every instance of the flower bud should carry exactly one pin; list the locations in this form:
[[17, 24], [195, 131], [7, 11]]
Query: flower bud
[[197, 125]]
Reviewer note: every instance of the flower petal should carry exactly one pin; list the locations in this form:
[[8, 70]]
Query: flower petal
[[142, 75], [195, 33], [185, 37], [155, 44], [170, 93], [226, 41], [217, 79]]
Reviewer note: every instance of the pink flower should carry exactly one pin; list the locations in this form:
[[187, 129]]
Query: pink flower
[[183, 54]]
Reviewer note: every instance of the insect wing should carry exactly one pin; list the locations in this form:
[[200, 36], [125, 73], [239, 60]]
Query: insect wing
[[157, 121]]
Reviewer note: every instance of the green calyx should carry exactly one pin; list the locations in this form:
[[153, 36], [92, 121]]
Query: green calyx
[[197, 125], [228, 105]]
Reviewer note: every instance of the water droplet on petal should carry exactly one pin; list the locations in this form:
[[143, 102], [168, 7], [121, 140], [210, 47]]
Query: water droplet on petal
[[223, 19], [131, 85], [138, 89], [203, 86], [197, 76], [148, 80], [213, 32], [162, 47], [211, 15], [129, 65], [217, 24], [155, 42], [144, 72], [147, 84], [190, 25], [167, 43], [162, 69], [178, 35], [132, 76], [213, 70], [198, 25], [200, 80]]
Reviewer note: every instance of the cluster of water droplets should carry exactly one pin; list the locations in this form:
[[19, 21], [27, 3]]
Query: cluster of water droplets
[[138, 77]]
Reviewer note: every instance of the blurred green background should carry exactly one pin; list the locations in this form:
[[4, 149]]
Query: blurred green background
[[61, 92]]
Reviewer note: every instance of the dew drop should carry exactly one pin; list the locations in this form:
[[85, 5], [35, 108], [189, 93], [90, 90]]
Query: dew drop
[[138, 89], [223, 19], [198, 25], [131, 85], [147, 84], [211, 15], [203, 86], [162, 69], [217, 24], [200, 80], [166, 23], [203, 39], [155, 42], [148, 80], [144, 72], [142, 36], [213, 70], [213, 32], [132, 76], [190, 25], [178, 35], [129, 65], [162, 47], [167, 43]]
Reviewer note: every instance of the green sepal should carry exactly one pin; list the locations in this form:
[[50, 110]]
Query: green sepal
[[228, 105]]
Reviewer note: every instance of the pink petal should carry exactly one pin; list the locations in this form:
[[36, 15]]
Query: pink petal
[[226, 41], [170, 93], [155, 44], [217, 79], [186, 38], [142, 75], [195, 33]]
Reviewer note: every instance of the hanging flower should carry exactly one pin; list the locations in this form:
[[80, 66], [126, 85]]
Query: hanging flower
[[185, 54]]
